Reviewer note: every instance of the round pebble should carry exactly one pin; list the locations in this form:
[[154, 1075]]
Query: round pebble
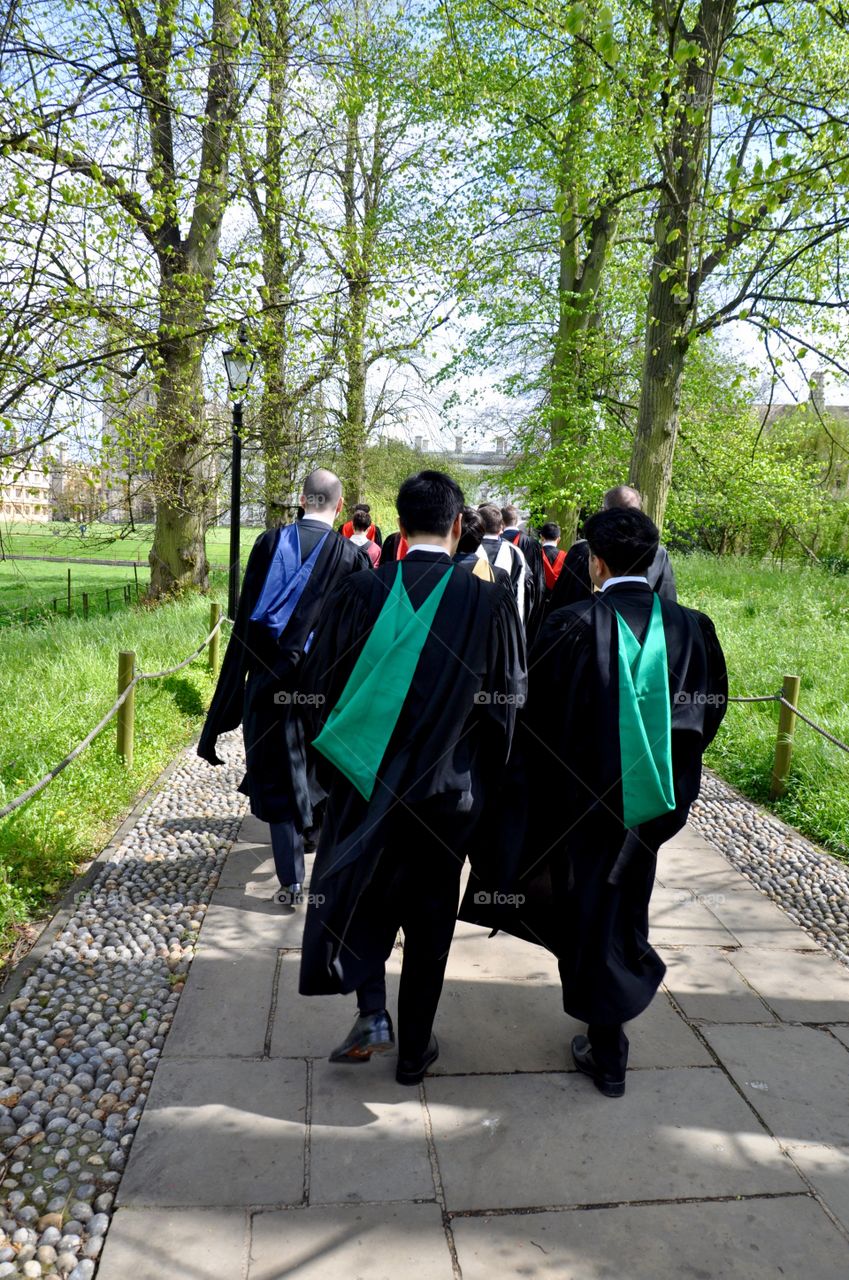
[[81, 1040]]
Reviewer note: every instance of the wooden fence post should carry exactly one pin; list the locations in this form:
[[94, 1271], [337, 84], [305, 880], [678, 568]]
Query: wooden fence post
[[127, 710], [215, 642], [136, 576], [69, 593], [784, 740], [85, 604], [108, 609]]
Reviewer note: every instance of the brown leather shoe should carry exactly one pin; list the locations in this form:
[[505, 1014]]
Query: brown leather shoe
[[370, 1034]]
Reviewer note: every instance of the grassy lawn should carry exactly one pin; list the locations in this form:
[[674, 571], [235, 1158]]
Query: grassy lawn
[[103, 541], [772, 623], [56, 681]]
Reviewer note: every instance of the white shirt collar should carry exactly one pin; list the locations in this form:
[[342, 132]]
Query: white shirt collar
[[549, 543], [428, 546], [492, 537], [626, 577]]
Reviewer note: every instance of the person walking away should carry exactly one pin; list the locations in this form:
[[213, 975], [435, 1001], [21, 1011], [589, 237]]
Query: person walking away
[[290, 572], [420, 667], [626, 691]]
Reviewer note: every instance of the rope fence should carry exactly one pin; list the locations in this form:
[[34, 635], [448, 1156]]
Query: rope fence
[[124, 706], [129, 677]]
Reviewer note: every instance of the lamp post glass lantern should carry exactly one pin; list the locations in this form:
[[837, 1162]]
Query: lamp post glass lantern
[[238, 363]]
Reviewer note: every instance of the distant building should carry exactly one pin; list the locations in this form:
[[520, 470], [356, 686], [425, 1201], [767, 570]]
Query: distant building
[[25, 492]]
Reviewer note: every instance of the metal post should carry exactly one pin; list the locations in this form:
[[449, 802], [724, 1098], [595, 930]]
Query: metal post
[[136, 576], [784, 741], [235, 511], [69, 592], [215, 642], [108, 609], [127, 710]]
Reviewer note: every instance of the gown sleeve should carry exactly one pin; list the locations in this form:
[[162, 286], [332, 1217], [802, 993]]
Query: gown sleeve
[[666, 587], [225, 709], [505, 686], [717, 680]]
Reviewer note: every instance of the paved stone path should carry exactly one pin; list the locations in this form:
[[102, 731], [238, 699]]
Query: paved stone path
[[728, 1157]]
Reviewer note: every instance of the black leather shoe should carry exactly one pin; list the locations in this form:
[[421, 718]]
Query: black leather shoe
[[582, 1055], [370, 1034], [411, 1072]]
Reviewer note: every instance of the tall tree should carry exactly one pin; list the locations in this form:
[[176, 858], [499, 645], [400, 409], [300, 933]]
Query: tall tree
[[142, 103]]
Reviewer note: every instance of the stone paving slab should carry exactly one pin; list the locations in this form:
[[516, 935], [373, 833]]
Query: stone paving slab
[[797, 1078], [220, 1131], [842, 1034], [498, 1026], [234, 996], [755, 921], [677, 918], [746, 1240], [180, 1244], [236, 925], [800, 987], [380, 1242], [367, 1138], [542, 1140], [828, 1169], [709, 989]]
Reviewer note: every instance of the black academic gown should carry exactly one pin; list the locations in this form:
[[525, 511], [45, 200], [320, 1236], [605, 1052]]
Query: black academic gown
[[575, 584], [259, 674], [447, 752], [583, 880], [535, 583]]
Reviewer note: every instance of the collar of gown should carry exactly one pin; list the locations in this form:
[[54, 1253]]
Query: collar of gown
[[615, 582]]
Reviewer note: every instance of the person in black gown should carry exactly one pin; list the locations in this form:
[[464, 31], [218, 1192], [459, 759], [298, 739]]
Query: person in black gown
[[258, 683], [413, 732], [574, 582], [626, 691]]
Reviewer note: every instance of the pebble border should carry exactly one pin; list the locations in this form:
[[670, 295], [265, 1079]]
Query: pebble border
[[812, 886], [81, 1040]]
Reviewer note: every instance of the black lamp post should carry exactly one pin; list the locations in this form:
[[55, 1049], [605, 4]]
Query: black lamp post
[[239, 362]]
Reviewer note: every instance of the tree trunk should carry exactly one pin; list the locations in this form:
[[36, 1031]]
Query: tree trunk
[[674, 286], [178, 555]]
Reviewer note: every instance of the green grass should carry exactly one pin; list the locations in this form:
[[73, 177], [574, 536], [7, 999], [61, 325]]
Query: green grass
[[56, 681], [771, 623], [103, 541], [36, 584]]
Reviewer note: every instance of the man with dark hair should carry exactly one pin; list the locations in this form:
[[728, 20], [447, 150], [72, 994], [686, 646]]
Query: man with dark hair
[[574, 582], [417, 670], [552, 557], [626, 691], [536, 577], [290, 572], [504, 555]]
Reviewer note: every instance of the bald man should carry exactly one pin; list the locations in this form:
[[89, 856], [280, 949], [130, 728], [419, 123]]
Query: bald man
[[574, 583], [290, 573]]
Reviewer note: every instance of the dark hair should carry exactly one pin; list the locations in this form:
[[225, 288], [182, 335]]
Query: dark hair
[[322, 489], [550, 531], [625, 539], [470, 538], [361, 520], [493, 521], [510, 516], [360, 506], [429, 502]]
